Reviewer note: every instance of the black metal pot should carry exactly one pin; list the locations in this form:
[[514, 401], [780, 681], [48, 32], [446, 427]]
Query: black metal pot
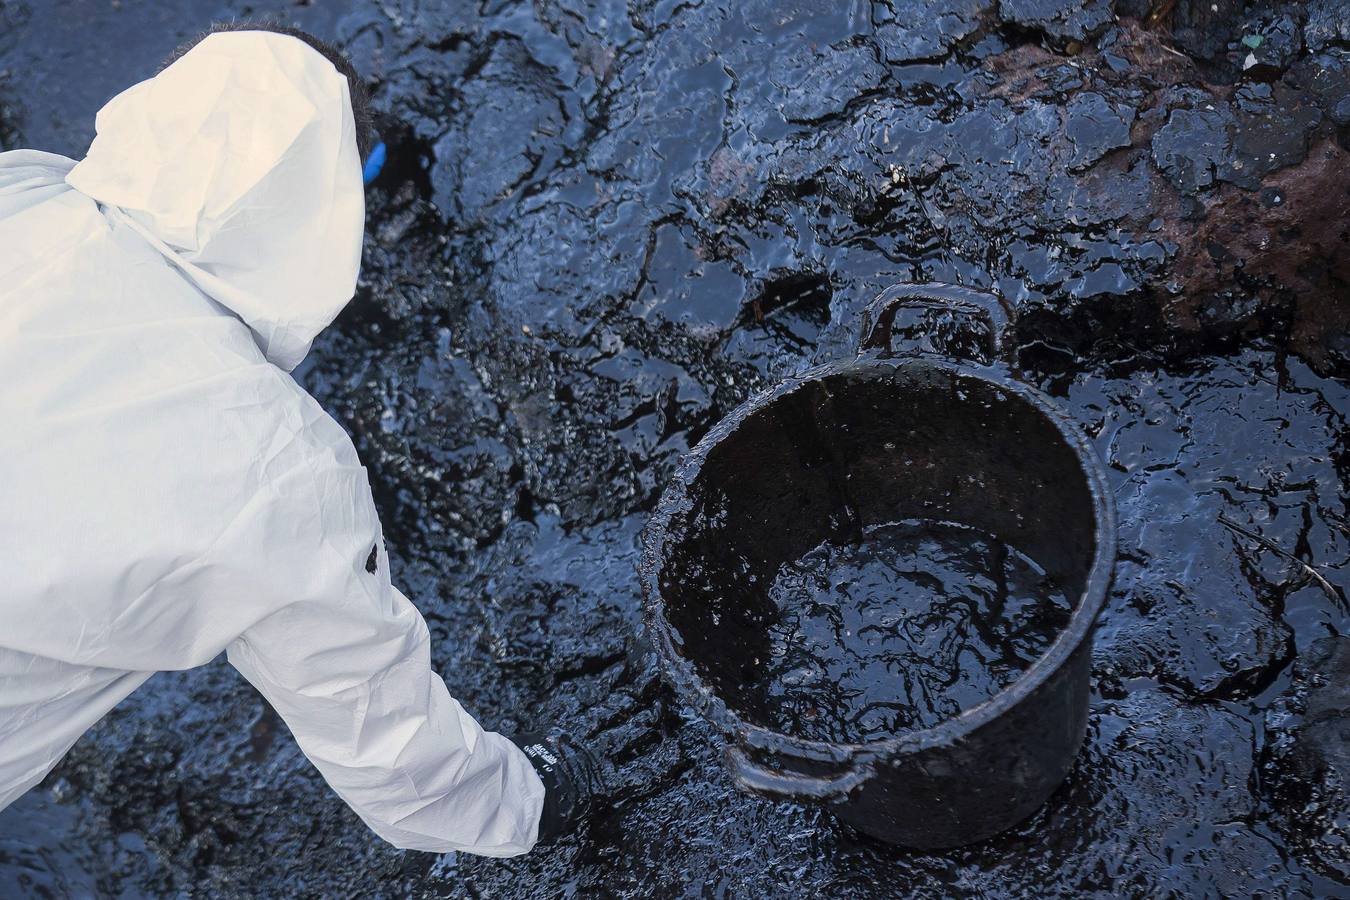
[[870, 441]]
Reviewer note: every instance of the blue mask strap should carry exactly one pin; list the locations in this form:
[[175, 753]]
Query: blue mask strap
[[374, 163]]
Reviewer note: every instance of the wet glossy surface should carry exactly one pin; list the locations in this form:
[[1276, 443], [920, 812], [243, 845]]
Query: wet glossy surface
[[904, 629], [601, 227]]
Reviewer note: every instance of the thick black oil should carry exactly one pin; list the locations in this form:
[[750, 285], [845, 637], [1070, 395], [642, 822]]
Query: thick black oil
[[603, 225], [903, 629]]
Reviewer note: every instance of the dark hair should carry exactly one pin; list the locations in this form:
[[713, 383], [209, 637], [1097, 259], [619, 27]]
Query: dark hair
[[360, 97]]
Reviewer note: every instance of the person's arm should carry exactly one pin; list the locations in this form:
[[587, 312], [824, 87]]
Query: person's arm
[[345, 660], [358, 692]]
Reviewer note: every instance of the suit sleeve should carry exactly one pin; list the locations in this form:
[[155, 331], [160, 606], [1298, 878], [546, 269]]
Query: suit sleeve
[[346, 662]]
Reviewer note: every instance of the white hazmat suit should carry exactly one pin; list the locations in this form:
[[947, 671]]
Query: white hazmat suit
[[167, 491]]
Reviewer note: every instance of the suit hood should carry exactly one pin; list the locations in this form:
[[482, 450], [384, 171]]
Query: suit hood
[[239, 163]]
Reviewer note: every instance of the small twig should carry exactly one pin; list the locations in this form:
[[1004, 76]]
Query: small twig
[[1161, 10], [1270, 545]]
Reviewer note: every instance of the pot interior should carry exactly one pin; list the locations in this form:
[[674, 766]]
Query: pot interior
[[824, 472]]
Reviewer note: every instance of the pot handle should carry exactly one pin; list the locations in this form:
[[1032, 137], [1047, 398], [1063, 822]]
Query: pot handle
[[986, 306], [794, 786]]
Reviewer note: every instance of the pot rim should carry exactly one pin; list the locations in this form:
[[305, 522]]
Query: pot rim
[[680, 671]]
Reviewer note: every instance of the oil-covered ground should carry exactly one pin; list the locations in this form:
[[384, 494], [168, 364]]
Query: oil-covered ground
[[603, 226]]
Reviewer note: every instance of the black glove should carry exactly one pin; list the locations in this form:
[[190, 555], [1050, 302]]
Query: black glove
[[572, 783]]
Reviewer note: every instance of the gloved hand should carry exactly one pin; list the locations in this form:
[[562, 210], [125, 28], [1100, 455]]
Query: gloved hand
[[572, 783]]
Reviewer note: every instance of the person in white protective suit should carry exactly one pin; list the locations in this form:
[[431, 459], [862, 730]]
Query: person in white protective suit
[[169, 492]]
